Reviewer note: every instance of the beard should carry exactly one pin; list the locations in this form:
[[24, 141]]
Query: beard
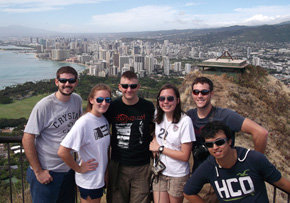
[[63, 93]]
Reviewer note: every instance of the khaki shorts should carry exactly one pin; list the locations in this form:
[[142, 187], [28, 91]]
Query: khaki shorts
[[172, 185]]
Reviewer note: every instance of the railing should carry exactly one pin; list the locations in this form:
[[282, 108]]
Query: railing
[[275, 193], [18, 139], [8, 140]]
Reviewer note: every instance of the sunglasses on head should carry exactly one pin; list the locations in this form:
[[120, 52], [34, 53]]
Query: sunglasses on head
[[218, 142], [132, 86], [203, 92], [101, 99], [169, 98], [64, 80]]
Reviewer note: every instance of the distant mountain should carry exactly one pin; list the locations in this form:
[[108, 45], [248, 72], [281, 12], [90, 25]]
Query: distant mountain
[[21, 31], [264, 33]]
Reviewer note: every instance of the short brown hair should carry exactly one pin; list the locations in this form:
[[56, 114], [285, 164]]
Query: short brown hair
[[129, 75], [203, 80], [66, 69]]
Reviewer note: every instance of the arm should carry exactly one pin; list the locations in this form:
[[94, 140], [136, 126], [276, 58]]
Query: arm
[[283, 184], [259, 134], [42, 176], [65, 154], [193, 198], [182, 155]]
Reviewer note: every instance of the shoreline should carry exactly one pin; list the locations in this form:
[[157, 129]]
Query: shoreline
[[78, 63], [36, 73]]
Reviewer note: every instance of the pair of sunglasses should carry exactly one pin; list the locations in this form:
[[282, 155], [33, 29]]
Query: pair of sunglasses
[[169, 98], [101, 99], [132, 86], [64, 80], [203, 92], [218, 142]]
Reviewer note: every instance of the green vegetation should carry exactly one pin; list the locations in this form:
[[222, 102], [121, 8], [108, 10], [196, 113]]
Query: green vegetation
[[19, 108]]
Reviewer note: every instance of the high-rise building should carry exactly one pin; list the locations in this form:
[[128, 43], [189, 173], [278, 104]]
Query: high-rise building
[[116, 59], [124, 60], [256, 61], [139, 59], [166, 65], [187, 68], [249, 51], [60, 54], [177, 67]]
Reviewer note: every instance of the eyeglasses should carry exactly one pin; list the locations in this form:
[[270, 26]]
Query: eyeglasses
[[218, 142], [132, 86], [101, 99], [203, 92], [169, 98], [64, 80]]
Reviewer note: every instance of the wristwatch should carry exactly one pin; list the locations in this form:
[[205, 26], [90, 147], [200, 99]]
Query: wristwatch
[[160, 149]]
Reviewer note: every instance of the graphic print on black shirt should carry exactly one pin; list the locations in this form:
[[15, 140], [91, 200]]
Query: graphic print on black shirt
[[124, 129]]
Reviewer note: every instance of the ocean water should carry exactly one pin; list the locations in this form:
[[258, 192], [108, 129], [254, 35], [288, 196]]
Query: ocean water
[[18, 68]]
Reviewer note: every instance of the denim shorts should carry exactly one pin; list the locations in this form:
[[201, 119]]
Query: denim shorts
[[92, 193], [61, 189]]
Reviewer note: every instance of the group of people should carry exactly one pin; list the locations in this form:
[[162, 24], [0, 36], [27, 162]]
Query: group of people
[[121, 160]]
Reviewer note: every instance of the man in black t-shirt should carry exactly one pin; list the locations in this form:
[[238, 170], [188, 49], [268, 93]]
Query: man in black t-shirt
[[131, 118]]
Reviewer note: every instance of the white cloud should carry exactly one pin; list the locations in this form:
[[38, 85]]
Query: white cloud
[[144, 18], [149, 18], [192, 4], [25, 6], [264, 15], [30, 10], [258, 19]]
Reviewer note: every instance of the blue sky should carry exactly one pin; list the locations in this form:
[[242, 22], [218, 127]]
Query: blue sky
[[103, 16]]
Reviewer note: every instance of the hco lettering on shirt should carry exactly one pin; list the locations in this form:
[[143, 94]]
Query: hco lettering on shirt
[[235, 187]]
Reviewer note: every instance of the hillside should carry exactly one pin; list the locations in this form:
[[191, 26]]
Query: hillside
[[260, 97]]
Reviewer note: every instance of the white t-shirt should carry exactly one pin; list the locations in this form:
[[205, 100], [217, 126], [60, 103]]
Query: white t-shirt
[[90, 137], [177, 134]]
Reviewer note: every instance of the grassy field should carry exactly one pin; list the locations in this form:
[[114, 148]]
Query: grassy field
[[21, 108]]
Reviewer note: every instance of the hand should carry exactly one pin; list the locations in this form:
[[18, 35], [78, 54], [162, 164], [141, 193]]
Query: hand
[[44, 177], [154, 146], [87, 166]]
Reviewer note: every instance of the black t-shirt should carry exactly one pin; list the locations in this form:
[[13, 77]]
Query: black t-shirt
[[131, 131]]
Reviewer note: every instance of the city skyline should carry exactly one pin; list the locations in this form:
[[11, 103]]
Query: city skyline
[[111, 16]]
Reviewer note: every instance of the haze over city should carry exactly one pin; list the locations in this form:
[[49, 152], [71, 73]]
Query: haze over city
[[109, 16]]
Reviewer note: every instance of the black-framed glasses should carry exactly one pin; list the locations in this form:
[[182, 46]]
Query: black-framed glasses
[[101, 99], [169, 98], [132, 86], [218, 142], [64, 80], [203, 92]]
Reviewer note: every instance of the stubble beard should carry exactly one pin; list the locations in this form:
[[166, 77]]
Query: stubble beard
[[65, 94]]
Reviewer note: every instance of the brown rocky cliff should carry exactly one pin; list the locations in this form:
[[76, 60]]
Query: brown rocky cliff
[[260, 97]]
